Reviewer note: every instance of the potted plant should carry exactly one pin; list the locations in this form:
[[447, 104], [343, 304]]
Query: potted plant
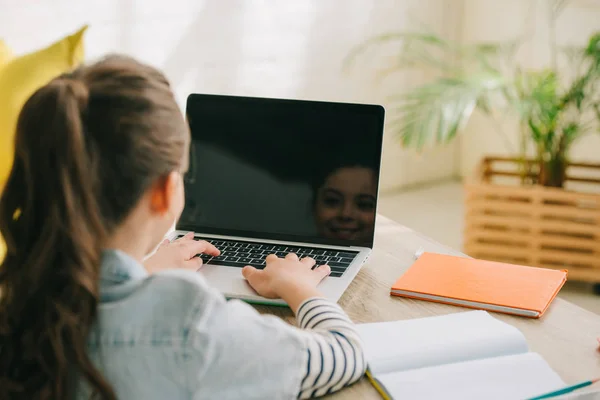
[[509, 223]]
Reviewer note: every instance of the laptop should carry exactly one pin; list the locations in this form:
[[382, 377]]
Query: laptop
[[276, 176]]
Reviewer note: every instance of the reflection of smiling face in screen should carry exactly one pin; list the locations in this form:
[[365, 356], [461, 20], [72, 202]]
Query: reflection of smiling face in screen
[[345, 204]]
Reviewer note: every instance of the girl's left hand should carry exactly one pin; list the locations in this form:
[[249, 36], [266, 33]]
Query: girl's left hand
[[180, 253]]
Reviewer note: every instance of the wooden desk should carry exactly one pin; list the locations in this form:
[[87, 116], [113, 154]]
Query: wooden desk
[[565, 336]]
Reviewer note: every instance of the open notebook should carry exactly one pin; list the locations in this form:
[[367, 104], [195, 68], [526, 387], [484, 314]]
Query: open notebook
[[469, 355]]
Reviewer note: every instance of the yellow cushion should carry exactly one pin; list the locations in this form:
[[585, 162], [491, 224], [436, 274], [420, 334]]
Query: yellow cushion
[[5, 53], [20, 77]]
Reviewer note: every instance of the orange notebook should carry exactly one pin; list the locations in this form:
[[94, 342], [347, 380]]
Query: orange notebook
[[486, 285]]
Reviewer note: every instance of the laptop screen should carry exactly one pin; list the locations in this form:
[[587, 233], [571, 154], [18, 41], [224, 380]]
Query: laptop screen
[[283, 169]]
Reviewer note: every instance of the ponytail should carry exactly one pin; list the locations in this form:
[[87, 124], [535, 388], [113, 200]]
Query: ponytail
[[53, 228], [116, 120]]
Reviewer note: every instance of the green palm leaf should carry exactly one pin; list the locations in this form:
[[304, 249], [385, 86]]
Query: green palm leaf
[[436, 112], [426, 50], [485, 76], [414, 49]]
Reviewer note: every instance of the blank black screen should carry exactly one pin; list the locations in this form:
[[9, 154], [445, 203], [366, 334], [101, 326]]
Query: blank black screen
[[283, 169]]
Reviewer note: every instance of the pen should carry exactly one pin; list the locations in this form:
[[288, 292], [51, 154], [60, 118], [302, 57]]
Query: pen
[[565, 390], [419, 252]]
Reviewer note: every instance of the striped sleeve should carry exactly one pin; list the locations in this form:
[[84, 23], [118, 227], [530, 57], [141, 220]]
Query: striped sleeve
[[335, 354]]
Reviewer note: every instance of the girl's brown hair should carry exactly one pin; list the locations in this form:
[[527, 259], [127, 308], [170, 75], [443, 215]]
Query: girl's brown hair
[[87, 147]]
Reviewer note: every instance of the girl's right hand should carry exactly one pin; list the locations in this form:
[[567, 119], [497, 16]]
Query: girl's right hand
[[289, 278], [180, 253]]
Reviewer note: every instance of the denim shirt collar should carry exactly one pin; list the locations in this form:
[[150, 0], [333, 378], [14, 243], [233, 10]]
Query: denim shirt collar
[[118, 266]]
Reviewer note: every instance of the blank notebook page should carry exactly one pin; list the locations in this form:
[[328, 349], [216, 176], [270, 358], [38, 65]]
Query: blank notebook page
[[504, 378], [416, 343]]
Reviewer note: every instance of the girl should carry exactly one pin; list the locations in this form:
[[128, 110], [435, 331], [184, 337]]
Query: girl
[[96, 183], [344, 196]]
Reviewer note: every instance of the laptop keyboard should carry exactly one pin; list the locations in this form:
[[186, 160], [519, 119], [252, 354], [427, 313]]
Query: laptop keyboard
[[241, 253]]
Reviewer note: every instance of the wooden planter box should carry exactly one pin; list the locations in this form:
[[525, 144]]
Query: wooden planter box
[[535, 225]]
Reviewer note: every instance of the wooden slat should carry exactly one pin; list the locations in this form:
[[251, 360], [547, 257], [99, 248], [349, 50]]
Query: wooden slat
[[530, 161], [568, 242], [568, 258], [584, 165], [554, 194], [570, 228], [477, 206], [522, 240], [569, 212], [568, 178], [477, 217], [525, 239], [515, 161], [514, 252], [565, 257], [479, 189], [577, 273], [560, 227], [476, 220]]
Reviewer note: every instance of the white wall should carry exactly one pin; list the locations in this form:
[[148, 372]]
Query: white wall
[[282, 48], [492, 20]]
